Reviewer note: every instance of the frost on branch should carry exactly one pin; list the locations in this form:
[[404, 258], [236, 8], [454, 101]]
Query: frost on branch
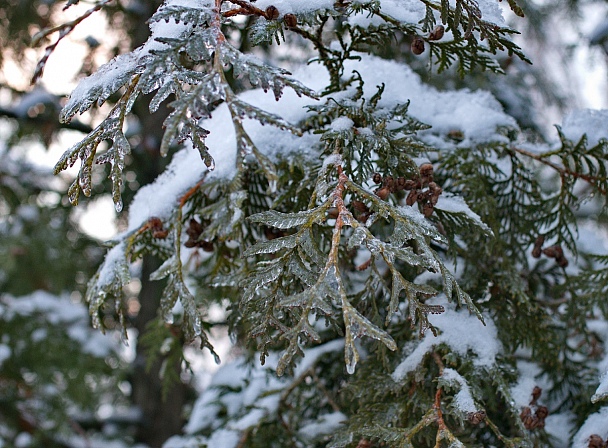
[[383, 232], [193, 30]]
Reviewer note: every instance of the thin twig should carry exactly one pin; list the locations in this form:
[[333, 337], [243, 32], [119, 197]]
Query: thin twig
[[563, 171], [63, 29]]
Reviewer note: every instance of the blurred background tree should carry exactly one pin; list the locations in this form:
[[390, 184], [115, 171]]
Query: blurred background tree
[[44, 245]]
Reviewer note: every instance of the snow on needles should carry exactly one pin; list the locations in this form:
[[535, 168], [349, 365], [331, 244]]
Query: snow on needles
[[595, 424], [462, 332], [476, 114], [463, 400], [413, 11], [117, 72]]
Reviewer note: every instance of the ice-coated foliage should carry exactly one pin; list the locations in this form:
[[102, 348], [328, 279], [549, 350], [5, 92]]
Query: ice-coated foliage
[[396, 262]]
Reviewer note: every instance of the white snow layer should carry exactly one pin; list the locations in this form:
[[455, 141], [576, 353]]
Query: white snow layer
[[595, 424], [463, 400], [413, 11], [462, 332], [529, 376], [406, 11], [456, 204], [117, 72], [592, 122], [602, 390], [476, 114], [296, 6]]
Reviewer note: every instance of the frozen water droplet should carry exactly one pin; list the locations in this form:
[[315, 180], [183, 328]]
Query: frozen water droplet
[[118, 205], [211, 165], [197, 327], [350, 367]]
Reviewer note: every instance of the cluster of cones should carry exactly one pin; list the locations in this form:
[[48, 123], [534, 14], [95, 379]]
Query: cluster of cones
[[421, 188], [552, 252], [534, 415]]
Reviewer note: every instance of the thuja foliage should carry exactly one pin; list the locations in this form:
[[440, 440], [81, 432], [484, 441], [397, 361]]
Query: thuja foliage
[[402, 263]]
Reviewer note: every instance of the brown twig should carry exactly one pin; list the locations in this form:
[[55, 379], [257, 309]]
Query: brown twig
[[437, 404], [246, 8], [188, 194]]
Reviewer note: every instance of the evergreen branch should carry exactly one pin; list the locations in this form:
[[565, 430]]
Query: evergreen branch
[[563, 171], [108, 129]]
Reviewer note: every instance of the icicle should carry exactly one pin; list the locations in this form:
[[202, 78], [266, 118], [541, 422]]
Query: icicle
[[118, 205], [211, 165]]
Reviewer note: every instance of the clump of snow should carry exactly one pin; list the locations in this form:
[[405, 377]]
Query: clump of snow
[[462, 332], [602, 390], [114, 258], [592, 122], [475, 114], [529, 376], [456, 204], [559, 427], [341, 124], [463, 400], [595, 424]]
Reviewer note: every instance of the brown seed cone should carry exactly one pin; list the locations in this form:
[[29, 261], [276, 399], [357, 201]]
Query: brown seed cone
[[400, 183], [155, 223], [332, 212], [389, 181], [377, 178], [426, 169], [360, 207], [272, 13], [194, 229], [364, 443], [160, 234], [553, 251], [383, 192], [410, 184], [207, 246], [412, 197], [427, 209], [542, 412], [538, 246], [417, 45], [291, 21], [437, 33], [476, 418], [562, 261], [596, 441]]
